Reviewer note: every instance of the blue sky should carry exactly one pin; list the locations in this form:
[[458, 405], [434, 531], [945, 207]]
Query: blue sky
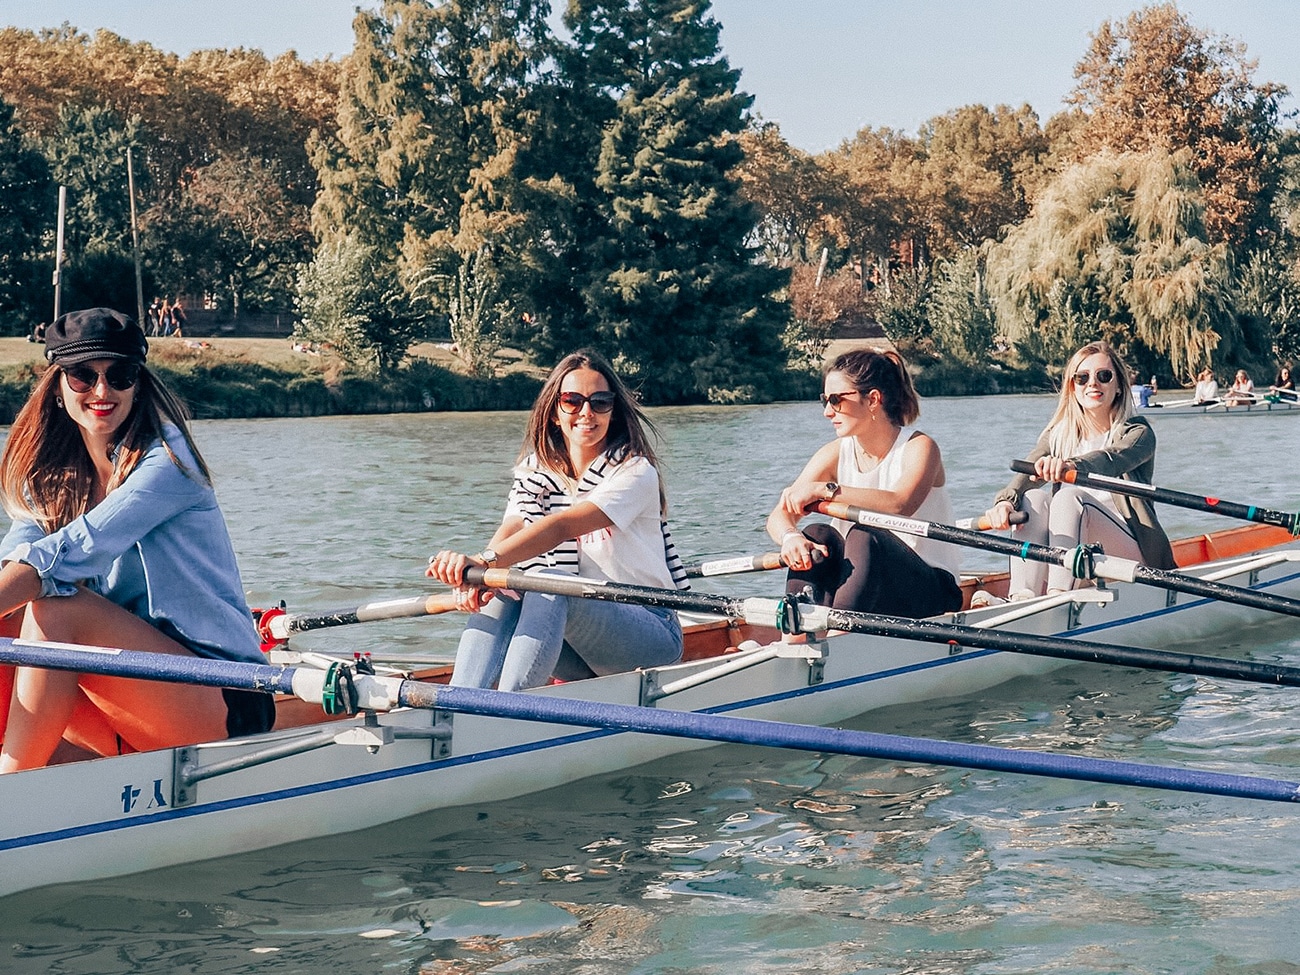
[[822, 69]]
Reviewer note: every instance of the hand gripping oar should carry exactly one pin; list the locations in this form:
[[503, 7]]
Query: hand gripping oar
[[1083, 562], [275, 626], [373, 693], [1215, 506], [790, 616]]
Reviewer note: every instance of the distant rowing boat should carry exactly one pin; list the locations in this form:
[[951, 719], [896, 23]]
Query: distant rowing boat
[[1260, 406]]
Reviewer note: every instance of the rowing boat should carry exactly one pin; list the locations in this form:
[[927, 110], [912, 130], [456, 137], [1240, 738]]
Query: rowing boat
[[1283, 403], [317, 775]]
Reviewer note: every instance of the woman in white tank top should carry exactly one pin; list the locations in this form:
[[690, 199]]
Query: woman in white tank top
[[880, 462]]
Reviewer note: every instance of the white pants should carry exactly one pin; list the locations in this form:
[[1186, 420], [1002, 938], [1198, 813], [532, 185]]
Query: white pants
[[1064, 516]]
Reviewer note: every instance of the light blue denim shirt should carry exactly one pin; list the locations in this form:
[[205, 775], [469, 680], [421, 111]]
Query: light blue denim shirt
[[168, 519]]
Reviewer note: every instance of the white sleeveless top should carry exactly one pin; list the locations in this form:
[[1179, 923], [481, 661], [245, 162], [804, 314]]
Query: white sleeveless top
[[885, 476]]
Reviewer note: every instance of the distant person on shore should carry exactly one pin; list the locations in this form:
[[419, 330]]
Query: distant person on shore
[[179, 320], [116, 541], [37, 334], [587, 498], [877, 460], [1207, 388], [1242, 390], [153, 317], [1094, 431]]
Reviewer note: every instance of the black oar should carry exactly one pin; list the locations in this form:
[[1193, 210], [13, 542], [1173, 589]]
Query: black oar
[[792, 617], [1215, 506], [1082, 562], [383, 693]]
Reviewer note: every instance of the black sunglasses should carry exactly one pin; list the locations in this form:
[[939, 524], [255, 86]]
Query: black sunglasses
[[833, 399], [601, 402], [1103, 377], [120, 375]]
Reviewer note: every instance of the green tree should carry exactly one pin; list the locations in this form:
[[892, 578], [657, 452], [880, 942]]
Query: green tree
[[349, 298], [1118, 244], [962, 319], [671, 285], [27, 198], [1156, 82]]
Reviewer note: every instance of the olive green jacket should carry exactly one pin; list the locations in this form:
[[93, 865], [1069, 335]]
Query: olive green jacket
[[1132, 456]]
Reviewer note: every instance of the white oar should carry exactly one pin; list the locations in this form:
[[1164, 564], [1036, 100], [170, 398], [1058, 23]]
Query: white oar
[[275, 625]]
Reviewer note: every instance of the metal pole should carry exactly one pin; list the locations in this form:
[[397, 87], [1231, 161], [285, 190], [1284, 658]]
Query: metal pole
[[135, 241], [58, 253]]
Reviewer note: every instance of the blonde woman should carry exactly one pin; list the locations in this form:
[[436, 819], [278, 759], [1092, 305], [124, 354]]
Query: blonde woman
[[1092, 431], [117, 541]]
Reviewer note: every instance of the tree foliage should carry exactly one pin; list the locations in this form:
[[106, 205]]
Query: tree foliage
[[1117, 244], [350, 300], [1156, 82], [668, 281], [27, 198]]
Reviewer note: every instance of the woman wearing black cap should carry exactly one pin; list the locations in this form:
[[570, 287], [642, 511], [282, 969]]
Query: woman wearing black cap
[[116, 540]]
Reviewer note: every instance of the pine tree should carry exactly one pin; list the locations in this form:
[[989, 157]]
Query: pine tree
[[669, 282], [26, 212]]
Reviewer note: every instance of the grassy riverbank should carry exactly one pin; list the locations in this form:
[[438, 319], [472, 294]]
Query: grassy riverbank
[[254, 377], [245, 377]]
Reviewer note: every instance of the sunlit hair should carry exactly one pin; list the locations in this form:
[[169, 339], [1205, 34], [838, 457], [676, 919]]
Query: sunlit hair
[[1068, 428], [46, 473], [630, 430], [884, 371]]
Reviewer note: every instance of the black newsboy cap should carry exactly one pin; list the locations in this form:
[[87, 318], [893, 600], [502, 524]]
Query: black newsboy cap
[[94, 333]]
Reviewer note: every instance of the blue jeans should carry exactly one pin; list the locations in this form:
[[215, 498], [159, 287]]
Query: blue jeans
[[516, 643]]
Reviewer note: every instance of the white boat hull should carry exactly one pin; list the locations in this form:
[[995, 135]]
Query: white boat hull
[[120, 815]]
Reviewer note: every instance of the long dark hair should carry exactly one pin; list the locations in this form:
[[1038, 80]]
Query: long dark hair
[[46, 473], [630, 430], [884, 371]]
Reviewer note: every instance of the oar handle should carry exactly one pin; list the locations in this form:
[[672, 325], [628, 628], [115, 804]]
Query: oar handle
[[741, 563], [1214, 506]]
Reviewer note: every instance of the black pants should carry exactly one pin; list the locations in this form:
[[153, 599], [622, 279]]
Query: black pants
[[871, 571]]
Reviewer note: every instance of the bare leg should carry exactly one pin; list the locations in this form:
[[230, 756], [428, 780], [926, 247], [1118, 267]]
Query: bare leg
[[93, 711]]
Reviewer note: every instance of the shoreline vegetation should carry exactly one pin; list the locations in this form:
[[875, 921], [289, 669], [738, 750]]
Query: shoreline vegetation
[[244, 378]]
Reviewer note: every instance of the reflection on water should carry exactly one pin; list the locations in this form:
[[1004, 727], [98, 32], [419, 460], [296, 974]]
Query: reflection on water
[[733, 859]]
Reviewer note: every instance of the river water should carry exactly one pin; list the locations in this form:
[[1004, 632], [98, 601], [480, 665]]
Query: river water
[[734, 859]]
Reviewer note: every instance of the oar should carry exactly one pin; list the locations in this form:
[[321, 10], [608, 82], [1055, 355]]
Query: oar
[[1084, 563], [384, 693], [740, 563], [791, 617], [1215, 506], [275, 625], [772, 560]]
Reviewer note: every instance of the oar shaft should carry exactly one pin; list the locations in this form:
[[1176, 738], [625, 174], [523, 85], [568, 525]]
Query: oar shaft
[[1101, 565], [1080, 650], [387, 692], [865, 744], [812, 619], [1216, 506], [281, 626]]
